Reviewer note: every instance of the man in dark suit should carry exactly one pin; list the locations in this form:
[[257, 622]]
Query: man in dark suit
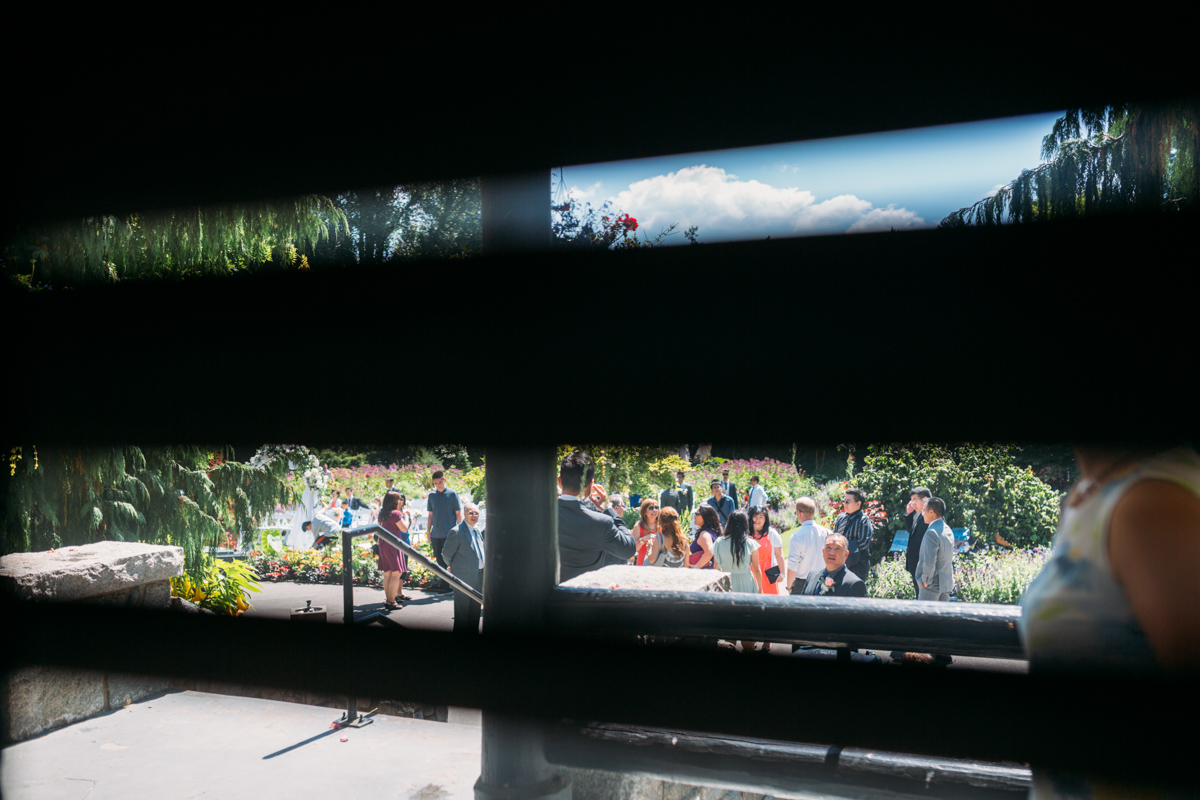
[[729, 489], [834, 580], [679, 497], [914, 523], [587, 539]]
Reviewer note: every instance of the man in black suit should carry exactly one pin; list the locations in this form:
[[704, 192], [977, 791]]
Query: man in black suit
[[679, 497], [914, 523], [587, 539], [729, 488], [834, 580]]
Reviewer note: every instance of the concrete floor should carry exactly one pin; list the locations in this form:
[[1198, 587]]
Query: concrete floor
[[190, 744]]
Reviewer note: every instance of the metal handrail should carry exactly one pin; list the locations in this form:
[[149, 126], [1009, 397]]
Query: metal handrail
[[404, 547], [389, 538]]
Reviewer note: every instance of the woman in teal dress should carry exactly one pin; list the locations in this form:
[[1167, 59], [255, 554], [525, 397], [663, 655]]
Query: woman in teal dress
[[737, 555]]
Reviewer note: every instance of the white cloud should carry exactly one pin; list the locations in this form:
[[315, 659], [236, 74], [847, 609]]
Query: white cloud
[[584, 195], [725, 207], [996, 188]]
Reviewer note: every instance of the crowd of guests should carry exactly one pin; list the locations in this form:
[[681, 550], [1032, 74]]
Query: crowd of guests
[[742, 542]]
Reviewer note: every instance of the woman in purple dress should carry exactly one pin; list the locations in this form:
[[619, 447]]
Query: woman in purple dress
[[392, 561]]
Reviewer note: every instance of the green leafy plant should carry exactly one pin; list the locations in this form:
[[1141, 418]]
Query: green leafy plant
[[223, 586]]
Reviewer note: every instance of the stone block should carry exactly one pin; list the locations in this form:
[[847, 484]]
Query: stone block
[[88, 571], [124, 688], [39, 699], [591, 784], [657, 579], [156, 594]]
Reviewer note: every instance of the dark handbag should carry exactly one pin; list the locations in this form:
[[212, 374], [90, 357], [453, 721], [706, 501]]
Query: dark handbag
[[772, 574]]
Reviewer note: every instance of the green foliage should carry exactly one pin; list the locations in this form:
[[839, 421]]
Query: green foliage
[[782, 482], [1100, 159], [646, 471], [476, 481], [990, 576], [185, 496], [221, 586], [325, 565], [889, 580], [177, 243], [983, 489]]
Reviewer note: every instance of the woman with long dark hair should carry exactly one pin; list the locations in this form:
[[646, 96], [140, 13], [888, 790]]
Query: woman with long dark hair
[[708, 529], [736, 553], [391, 561], [668, 548], [770, 548]]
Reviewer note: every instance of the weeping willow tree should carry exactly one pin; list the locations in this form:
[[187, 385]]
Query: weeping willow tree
[[1127, 157], [176, 243], [188, 496]]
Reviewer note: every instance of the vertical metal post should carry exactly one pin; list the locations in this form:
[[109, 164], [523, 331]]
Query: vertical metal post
[[348, 614], [515, 211], [521, 569]]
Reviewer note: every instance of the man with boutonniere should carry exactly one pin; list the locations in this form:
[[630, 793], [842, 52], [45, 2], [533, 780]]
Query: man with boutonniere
[[834, 580]]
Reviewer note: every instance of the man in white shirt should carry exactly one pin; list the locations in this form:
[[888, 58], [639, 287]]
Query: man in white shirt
[[758, 495], [804, 548]]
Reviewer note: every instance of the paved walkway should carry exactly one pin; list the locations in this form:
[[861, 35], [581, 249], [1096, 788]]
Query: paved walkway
[[426, 611], [191, 744]]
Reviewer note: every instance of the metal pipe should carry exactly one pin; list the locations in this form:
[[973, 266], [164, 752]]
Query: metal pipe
[[1062, 721], [766, 766], [968, 629], [404, 547], [521, 568]]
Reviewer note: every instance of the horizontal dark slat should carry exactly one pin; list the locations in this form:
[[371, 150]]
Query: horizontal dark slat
[[194, 130], [1019, 352], [966, 629], [1067, 721], [770, 767]]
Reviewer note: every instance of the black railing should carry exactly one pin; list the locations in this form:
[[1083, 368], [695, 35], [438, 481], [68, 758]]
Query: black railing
[[390, 539], [967, 629]]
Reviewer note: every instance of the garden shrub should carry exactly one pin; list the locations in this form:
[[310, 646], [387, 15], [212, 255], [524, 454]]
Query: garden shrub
[[988, 576], [983, 489]]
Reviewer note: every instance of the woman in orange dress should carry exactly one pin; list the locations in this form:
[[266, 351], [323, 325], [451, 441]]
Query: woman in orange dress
[[770, 548]]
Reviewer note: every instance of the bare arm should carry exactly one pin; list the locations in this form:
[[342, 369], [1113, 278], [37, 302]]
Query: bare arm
[[754, 568], [652, 551], [706, 544], [1154, 549]]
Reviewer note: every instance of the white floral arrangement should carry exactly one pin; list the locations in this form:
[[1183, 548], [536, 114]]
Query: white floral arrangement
[[314, 478]]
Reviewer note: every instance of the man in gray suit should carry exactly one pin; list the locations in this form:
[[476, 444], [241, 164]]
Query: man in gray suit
[[463, 552], [679, 497], [935, 569], [587, 539]]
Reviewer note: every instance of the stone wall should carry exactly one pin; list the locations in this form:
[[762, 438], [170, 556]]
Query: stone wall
[[41, 698]]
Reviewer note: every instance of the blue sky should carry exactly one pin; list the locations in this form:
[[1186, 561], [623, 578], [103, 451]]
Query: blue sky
[[900, 179]]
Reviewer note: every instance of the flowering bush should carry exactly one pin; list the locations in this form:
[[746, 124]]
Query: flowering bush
[[991, 576], [889, 580], [414, 481], [325, 566], [782, 482]]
